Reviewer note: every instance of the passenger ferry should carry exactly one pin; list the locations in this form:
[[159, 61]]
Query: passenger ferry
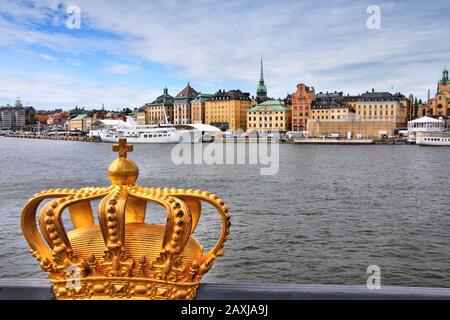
[[424, 125], [108, 131], [433, 139]]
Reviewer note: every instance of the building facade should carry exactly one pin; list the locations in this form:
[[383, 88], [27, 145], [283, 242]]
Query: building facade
[[439, 106], [80, 123], [182, 111], [13, 118], [330, 106], [227, 110], [352, 127], [271, 115], [58, 119], [160, 111], [302, 101], [198, 107], [382, 106]]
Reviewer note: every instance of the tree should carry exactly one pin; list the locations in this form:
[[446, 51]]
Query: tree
[[416, 108], [411, 107]]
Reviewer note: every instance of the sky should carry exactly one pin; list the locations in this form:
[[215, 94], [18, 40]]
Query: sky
[[125, 52]]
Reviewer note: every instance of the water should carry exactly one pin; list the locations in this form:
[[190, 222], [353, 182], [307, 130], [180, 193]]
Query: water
[[329, 213]]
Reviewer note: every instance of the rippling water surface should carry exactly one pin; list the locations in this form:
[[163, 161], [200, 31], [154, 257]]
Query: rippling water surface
[[329, 213]]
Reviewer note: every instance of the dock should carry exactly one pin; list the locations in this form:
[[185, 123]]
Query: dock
[[53, 137], [334, 141]]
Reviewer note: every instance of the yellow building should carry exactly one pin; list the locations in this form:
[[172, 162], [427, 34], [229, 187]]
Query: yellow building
[[228, 110], [142, 117], [80, 123], [382, 106], [269, 116], [352, 127], [330, 106], [440, 104]]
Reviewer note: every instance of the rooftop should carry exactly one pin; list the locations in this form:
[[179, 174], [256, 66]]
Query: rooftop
[[231, 95], [425, 119], [202, 97], [187, 92], [273, 105], [79, 117]]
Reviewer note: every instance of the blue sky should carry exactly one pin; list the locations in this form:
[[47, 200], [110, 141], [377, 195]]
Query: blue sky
[[126, 51]]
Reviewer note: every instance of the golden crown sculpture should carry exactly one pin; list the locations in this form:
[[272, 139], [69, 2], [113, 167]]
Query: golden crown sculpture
[[122, 257]]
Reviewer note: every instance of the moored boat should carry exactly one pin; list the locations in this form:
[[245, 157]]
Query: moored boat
[[433, 139], [163, 133]]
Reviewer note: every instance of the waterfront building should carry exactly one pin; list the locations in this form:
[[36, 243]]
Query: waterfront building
[[13, 118], [80, 123], [261, 90], [439, 106], [269, 116], [6, 116], [161, 110], [198, 107], [302, 101], [382, 106], [141, 116], [182, 105], [227, 110], [351, 127], [58, 119], [330, 106]]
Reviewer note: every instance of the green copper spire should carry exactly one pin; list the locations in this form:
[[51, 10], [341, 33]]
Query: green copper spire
[[261, 90], [445, 75], [261, 76]]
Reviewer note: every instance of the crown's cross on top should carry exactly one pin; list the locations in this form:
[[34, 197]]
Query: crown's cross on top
[[122, 148]]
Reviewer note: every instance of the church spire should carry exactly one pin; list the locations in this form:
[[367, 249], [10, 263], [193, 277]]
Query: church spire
[[261, 76], [445, 75], [261, 90]]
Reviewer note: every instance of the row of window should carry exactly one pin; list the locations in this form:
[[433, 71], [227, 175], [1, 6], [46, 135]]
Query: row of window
[[326, 117], [437, 139], [156, 135], [322, 111], [265, 125], [266, 112], [375, 106], [301, 114], [375, 112], [265, 118]]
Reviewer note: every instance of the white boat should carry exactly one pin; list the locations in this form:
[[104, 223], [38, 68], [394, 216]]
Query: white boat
[[164, 133], [424, 125], [433, 139]]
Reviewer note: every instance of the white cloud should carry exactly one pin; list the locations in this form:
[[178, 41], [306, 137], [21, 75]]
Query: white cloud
[[54, 90], [120, 68], [74, 62], [47, 57], [323, 43]]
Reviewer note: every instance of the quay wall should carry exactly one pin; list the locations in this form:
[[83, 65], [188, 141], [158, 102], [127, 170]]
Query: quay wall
[[54, 137]]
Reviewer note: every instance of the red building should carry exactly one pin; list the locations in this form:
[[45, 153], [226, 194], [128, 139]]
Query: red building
[[302, 100]]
